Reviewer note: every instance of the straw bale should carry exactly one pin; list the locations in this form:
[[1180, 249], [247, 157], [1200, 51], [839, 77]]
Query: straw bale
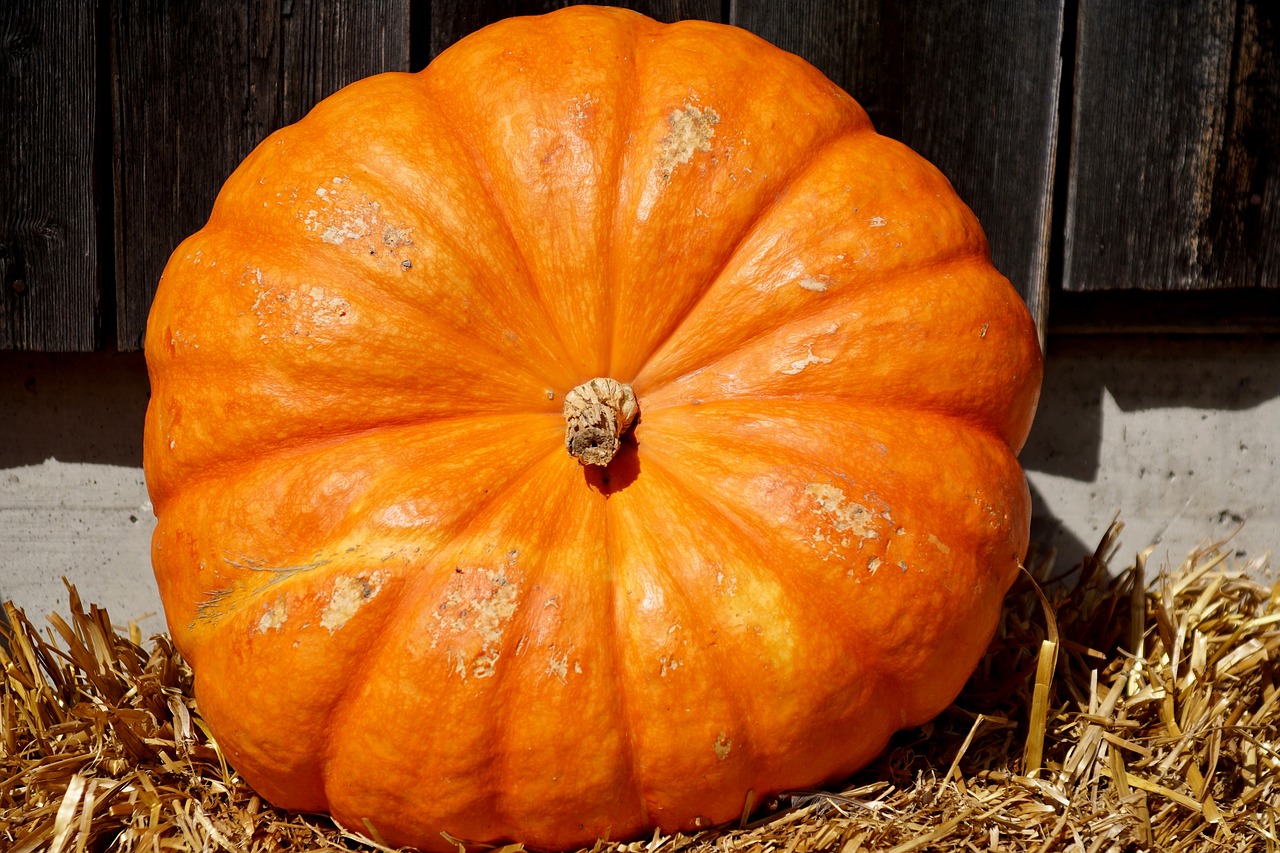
[[1111, 713]]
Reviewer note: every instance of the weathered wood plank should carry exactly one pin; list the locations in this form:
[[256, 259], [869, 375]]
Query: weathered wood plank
[[974, 88], [818, 30], [1175, 161], [453, 19], [1236, 311], [198, 85], [49, 283]]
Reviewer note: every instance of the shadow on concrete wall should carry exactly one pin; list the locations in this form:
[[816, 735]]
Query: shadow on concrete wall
[[81, 407], [1139, 373]]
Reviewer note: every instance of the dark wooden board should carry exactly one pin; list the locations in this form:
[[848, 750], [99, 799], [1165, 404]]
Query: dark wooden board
[[1175, 159], [1235, 311], [453, 19], [49, 282], [197, 86], [972, 87]]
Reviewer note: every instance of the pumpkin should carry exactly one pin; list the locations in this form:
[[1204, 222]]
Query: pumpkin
[[590, 433]]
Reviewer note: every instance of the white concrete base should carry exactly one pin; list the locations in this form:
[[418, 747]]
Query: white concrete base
[[1179, 437], [87, 522], [72, 498]]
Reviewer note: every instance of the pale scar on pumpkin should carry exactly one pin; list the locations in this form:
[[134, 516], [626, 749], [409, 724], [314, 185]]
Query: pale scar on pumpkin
[[295, 312], [348, 596], [796, 273], [558, 667], [691, 131], [800, 364], [486, 615], [581, 109], [722, 746], [847, 522], [273, 617], [215, 604], [669, 662], [393, 237], [350, 225], [338, 220], [796, 366]]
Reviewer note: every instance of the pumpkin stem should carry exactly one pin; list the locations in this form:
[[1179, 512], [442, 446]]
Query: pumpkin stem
[[597, 413]]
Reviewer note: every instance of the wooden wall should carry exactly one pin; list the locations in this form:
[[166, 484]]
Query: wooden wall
[[1124, 157]]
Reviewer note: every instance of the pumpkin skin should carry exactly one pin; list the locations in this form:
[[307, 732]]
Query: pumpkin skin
[[407, 605]]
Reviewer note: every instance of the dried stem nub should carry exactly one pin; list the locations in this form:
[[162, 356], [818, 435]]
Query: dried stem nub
[[596, 414]]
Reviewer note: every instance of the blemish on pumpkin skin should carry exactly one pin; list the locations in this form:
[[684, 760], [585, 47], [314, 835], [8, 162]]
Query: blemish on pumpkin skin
[[582, 109], [351, 228], [273, 617], [669, 662], [996, 519], [843, 523], [728, 584], [393, 237], [484, 614], [798, 365], [722, 746], [559, 667], [348, 596], [691, 131], [299, 312], [340, 216], [407, 515], [845, 515]]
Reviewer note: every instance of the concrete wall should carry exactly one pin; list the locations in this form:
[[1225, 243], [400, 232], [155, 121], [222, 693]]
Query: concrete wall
[[1179, 436], [73, 501]]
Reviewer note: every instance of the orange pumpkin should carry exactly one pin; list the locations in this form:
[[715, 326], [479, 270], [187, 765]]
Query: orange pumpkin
[[407, 604]]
